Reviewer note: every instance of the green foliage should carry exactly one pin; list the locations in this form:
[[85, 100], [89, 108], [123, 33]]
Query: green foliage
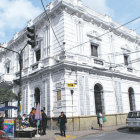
[[6, 95]]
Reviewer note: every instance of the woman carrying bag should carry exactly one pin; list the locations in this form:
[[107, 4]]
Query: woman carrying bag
[[101, 119]]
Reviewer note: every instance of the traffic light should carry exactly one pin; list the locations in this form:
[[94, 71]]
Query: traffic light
[[31, 34]]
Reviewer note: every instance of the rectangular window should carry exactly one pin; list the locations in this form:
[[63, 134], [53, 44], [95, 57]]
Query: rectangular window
[[94, 50], [38, 55], [58, 95], [126, 60], [8, 70]]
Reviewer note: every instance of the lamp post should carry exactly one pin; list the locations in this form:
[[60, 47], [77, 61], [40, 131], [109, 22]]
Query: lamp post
[[31, 34], [72, 108], [20, 76]]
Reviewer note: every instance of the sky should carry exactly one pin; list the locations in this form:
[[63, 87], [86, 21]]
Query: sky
[[15, 14]]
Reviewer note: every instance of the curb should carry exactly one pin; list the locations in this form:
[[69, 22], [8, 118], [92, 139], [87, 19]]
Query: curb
[[122, 128], [88, 134]]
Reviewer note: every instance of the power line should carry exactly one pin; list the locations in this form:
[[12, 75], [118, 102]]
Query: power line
[[96, 37], [130, 62], [51, 24], [105, 33], [118, 53], [9, 49]]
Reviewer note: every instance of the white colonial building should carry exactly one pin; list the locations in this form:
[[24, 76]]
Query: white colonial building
[[104, 68]]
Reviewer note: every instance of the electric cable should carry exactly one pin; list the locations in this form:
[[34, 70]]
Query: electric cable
[[51, 24], [105, 33]]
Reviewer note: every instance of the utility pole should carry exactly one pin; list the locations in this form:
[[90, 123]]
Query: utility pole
[[72, 109], [31, 34], [20, 76]]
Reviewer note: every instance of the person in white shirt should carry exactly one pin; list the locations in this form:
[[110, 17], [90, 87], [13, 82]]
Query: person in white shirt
[[100, 120]]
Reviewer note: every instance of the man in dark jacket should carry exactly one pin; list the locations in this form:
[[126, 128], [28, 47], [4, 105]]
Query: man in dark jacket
[[44, 122], [32, 120], [62, 120]]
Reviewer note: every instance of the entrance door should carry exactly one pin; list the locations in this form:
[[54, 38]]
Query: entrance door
[[131, 99], [99, 100], [37, 96]]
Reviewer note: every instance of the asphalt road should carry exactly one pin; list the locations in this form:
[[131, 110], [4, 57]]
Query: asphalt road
[[123, 134]]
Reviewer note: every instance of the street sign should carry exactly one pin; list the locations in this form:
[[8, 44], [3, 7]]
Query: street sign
[[70, 85]]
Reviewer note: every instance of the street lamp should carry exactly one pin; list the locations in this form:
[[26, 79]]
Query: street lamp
[[31, 34], [20, 76], [72, 91]]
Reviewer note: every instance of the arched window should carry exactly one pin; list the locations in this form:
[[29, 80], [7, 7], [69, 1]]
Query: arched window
[[37, 96], [131, 99], [99, 99], [7, 66]]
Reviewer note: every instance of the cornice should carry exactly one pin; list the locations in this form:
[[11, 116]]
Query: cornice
[[79, 67], [80, 12], [102, 72]]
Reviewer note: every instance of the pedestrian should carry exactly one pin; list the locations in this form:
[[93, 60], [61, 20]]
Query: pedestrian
[[32, 120], [43, 122], [62, 120], [44, 109], [100, 120], [1, 122], [33, 111]]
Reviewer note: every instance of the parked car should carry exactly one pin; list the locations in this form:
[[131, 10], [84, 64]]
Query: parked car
[[133, 120]]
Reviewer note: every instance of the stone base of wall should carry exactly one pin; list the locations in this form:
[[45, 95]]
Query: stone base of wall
[[88, 122]]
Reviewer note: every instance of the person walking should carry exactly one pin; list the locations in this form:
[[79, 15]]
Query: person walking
[[100, 120], [43, 122], [1, 122], [62, 120]]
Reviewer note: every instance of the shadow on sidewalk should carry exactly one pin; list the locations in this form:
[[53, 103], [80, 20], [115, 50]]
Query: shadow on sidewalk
[[58, 134], [92, 128], [126, 130]]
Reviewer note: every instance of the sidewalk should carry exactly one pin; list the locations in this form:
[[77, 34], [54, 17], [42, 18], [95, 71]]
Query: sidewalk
[[83, 133], [55, 134]]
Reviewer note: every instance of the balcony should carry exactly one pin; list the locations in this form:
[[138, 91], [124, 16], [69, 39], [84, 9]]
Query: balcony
[[6, 80], [130, 69], [98, 61], [86, 60], [36, 66], [7, 77], [17, 74]]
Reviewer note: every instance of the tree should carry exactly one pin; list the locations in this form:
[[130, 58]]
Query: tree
[[7, 95]]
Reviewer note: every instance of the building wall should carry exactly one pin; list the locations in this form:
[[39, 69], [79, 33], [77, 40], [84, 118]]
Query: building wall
[[73, 27], [115, 93]]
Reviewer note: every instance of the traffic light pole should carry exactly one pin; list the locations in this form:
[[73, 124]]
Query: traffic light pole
[[31, 34], [20, 77]]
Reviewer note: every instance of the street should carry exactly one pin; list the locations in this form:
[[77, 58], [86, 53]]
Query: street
[[123, 134]]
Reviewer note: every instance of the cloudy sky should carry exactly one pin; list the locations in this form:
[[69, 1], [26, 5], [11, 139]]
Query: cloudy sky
[[14, 14]]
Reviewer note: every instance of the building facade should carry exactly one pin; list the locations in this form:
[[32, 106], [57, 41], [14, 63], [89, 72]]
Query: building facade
[[104, 69]]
